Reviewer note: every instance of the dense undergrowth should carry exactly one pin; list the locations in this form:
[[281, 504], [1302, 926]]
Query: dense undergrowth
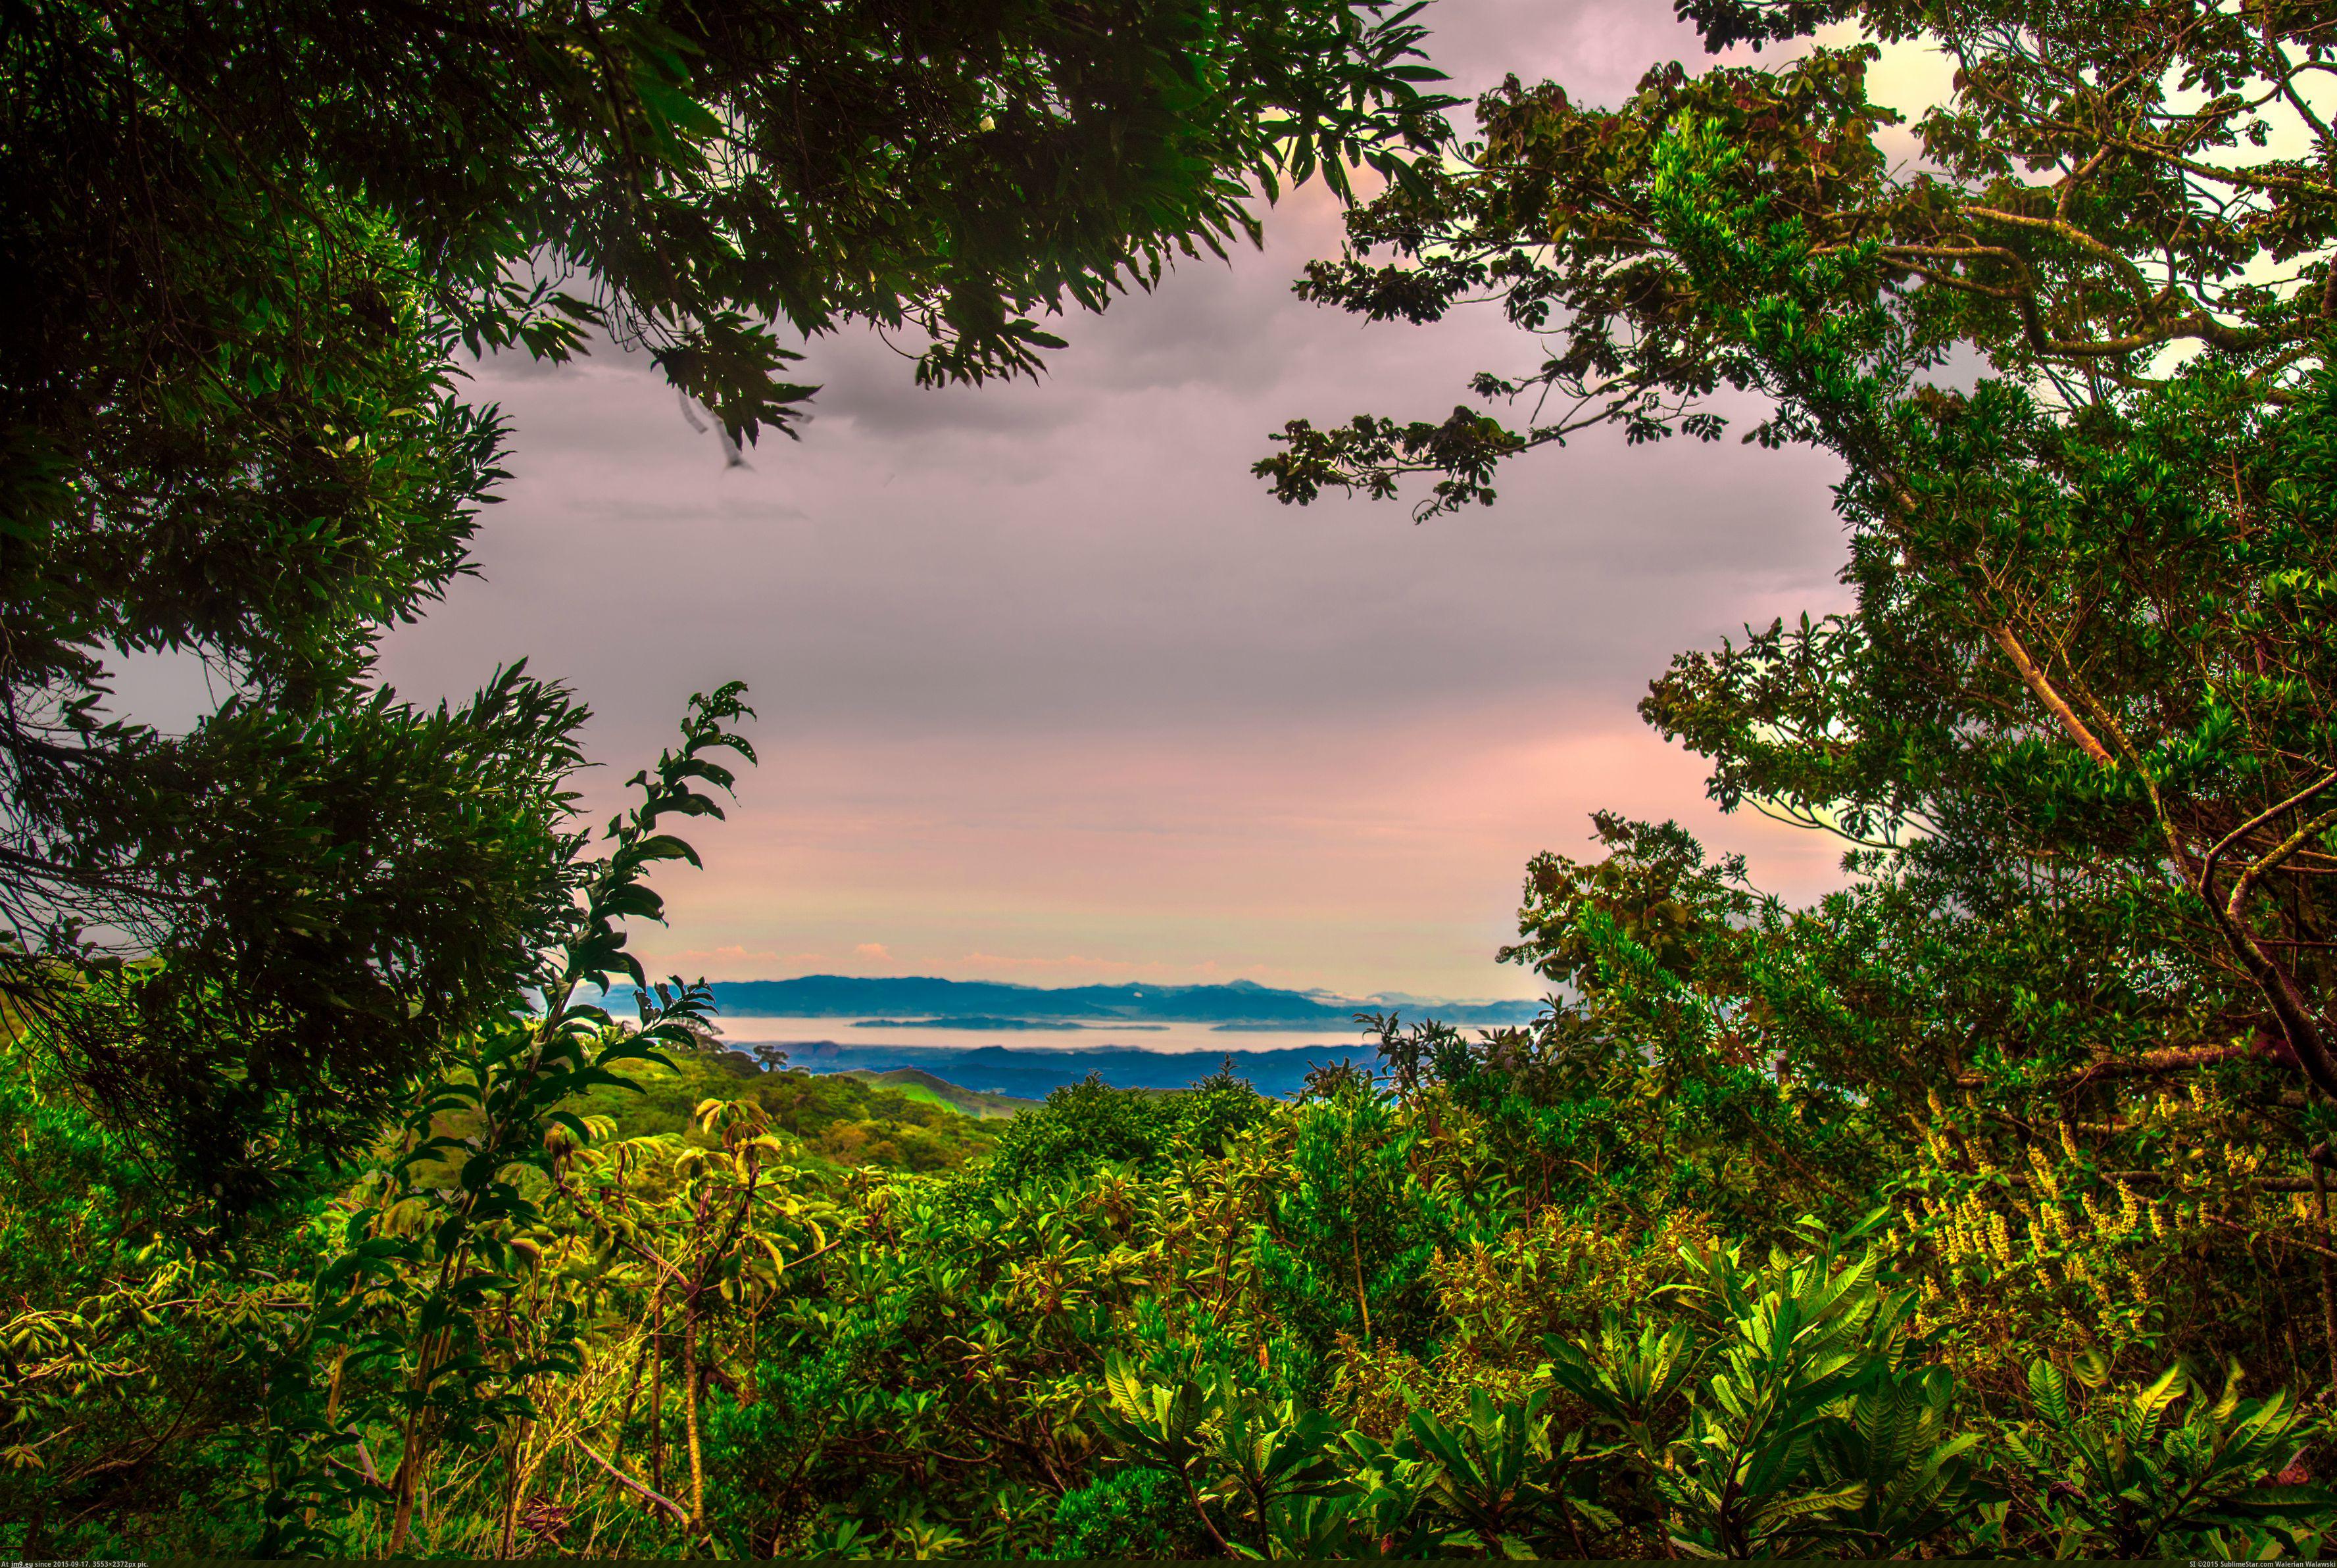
[[1467, 1307]]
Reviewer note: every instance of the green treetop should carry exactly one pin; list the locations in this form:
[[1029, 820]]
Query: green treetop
[[2074, 358]]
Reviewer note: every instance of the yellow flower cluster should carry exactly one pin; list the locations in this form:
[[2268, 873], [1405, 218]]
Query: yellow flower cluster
[[1969, 1229], [2048, 1183]]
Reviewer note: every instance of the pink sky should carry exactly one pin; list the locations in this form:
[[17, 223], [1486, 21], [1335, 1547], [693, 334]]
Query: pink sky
[[1051, 691]]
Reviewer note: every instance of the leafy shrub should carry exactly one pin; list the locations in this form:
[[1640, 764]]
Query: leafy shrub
[[1089, 1124], [1140, 1511]]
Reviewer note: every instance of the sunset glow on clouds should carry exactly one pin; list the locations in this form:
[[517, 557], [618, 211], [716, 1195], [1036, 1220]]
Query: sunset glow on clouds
[[1050, 688], [1324, 862]]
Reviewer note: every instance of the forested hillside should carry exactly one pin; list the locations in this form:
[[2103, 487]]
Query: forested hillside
[[1979, 1209]]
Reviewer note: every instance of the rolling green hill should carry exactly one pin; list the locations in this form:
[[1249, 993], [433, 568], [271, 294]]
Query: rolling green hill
[[928, 1089], [900, 1120]]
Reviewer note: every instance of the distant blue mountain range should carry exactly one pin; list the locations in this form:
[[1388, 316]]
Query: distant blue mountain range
[[1238, 1001]]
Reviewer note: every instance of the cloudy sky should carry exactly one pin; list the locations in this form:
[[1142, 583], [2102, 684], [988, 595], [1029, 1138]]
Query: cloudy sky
[[1052, 691]]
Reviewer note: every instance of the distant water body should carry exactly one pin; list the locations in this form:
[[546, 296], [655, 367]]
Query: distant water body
[[1094, 1035]]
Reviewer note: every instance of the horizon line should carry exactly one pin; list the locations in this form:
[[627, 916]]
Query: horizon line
[[1311, 992]]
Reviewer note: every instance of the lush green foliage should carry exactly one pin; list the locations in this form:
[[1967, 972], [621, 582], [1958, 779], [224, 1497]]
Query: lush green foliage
[[675, 1340], [2078, 728], [1978, 1209]]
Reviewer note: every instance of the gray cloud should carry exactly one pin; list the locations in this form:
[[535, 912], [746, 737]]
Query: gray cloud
[[1110, 563]]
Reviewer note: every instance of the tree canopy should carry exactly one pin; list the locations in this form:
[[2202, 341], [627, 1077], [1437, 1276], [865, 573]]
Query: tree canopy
[[2073, 356], [248, 252]]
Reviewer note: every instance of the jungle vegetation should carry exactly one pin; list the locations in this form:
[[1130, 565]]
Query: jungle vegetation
[[1980, 1208]]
